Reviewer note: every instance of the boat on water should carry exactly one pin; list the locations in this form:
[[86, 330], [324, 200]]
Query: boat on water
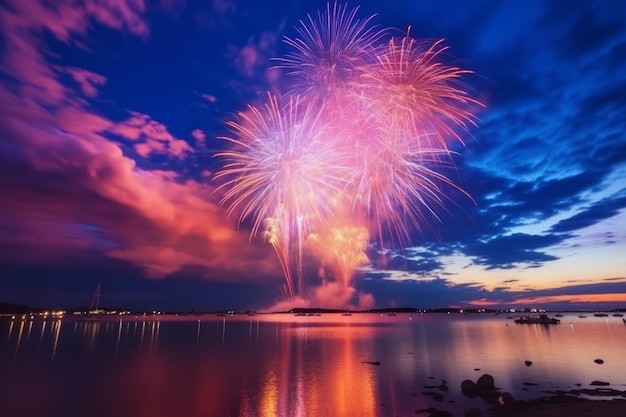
[[94, 313], [599, 313], [540, 319], [618, 315]]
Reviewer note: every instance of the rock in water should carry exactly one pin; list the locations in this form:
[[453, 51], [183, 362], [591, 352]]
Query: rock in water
[[490, 396], [469, 388], [506, 398], [486, 382], [599, 383]]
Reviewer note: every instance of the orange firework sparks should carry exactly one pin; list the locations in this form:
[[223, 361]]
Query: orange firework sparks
[[343, 250]]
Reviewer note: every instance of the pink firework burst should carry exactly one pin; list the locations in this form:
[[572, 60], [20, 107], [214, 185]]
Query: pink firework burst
[[282, 172], [329, 51], [409, 105], [414, 94]]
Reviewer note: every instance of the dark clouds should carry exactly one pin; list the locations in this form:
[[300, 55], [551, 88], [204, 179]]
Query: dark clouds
[[603, 209]]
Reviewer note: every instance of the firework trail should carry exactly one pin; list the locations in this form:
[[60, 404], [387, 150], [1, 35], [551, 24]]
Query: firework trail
[[365, 127]]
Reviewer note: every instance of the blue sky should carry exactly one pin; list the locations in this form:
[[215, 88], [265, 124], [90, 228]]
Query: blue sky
[[109, 124]]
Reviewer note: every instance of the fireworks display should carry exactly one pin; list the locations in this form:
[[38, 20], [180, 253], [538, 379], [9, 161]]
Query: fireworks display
[[353, 151]]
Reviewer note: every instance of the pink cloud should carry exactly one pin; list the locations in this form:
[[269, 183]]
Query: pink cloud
[[87, 80], [253, 57], [120, 14], [155, 130], [157, 261], [267, 42], [66, 19], [69, 191], [273, 77], [179, 147], [208, 97], [24, 22], [198, 135], [145, 149], [248, 60], [22, 60], [150, 137], [75, 119]]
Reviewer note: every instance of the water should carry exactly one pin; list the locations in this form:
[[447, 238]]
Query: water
[[282, 365]]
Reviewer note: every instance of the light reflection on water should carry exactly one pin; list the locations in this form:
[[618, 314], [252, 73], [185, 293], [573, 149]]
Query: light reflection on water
[[281, 365]]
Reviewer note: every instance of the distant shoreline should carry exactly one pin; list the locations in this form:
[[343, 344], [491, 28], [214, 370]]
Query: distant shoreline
[[21, 309]]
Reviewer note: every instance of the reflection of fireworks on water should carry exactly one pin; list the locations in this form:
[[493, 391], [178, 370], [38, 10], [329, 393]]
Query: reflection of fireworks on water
[[367, 125]]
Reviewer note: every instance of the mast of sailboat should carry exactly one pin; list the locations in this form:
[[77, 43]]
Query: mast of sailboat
[[95, 301]]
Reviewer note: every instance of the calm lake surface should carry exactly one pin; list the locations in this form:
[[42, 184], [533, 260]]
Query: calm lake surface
[[285, 365]]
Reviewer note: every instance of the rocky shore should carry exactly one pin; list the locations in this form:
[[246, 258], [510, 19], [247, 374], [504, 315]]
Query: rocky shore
[[602, 401], [563, 406]]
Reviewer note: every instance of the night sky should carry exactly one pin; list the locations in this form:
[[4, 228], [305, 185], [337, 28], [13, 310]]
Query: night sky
[[110, 112]]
